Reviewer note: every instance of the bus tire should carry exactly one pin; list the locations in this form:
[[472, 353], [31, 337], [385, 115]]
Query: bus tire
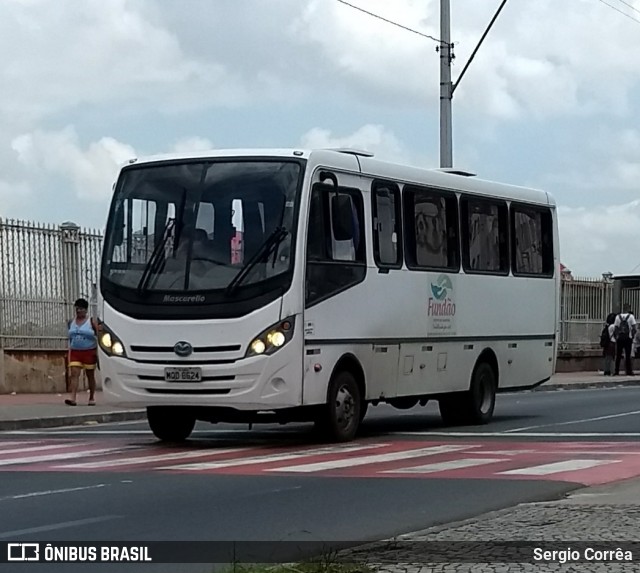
[[482, 394], [476, 405], [170, 424], [339, 419]]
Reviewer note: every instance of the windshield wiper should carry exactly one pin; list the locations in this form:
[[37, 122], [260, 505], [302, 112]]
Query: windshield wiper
[[271, 242], [152, 264]]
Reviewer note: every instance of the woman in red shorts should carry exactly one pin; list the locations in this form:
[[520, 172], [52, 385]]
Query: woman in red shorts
[[83, 351]]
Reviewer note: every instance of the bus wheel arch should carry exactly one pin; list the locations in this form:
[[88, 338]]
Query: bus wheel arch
[[339, 418], [475, 405]]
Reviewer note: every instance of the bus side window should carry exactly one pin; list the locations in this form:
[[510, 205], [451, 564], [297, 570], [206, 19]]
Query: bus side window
[[335, 242], [532, 243], [485, 244], [432, 229], [386, 225]]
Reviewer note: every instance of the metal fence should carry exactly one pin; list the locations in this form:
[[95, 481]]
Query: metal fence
[[43, 270], [584, 304]]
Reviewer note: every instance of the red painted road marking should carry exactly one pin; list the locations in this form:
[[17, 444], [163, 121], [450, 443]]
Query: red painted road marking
[[587, 463]]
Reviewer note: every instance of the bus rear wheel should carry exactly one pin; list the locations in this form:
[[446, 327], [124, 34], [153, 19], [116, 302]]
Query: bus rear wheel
[[476, 405], [339, 419], [170, 424]]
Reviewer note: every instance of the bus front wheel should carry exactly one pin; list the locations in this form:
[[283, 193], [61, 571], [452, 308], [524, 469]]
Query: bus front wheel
[[170, 424], [476, 405], [340, 417]]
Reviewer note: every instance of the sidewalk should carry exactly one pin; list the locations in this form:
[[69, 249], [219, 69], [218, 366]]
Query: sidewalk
[[601, 517], [586, 380], [22, 411]]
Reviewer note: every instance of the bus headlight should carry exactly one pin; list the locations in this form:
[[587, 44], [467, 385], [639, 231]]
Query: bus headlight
[[272, 338], [109, 342]]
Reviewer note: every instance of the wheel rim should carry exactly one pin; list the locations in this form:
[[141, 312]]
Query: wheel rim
[[345, 407], [485, 388]]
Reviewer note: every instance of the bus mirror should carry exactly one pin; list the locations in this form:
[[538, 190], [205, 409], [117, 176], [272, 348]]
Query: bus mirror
[[341, 217]]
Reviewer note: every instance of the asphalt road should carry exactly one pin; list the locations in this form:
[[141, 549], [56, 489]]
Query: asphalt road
[[556, 414], [155, 506]]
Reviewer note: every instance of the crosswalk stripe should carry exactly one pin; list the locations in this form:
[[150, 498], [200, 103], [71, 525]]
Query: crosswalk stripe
[[507, 452], [54, 457], [371, 459], [445, 466], [558, 467], [265, 459], [38, 448], [13, 443], [596, 452], [149, 459]]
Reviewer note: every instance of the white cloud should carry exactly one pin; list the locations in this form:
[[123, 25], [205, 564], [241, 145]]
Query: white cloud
[[192, 144], [91, 170], [64, 55], [13, 194], [374, 138], [542, 59], [600, 239], [606, 165]]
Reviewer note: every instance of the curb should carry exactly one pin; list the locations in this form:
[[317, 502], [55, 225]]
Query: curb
[[76, 420], [587, 385]]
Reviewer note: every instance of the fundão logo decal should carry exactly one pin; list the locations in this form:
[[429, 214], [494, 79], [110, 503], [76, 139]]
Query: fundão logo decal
[[442, 287], [440, 303]]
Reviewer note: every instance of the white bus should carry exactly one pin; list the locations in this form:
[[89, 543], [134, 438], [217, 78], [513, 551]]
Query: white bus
[[305, 285]]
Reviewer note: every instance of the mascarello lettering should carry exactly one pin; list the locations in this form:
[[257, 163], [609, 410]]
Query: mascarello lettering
[[178, 298]]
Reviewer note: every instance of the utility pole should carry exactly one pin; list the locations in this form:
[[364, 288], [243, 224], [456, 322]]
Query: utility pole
[[446, 87]]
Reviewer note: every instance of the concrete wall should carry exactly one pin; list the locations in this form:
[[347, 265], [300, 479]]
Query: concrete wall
[[579, 361], [27, 372], [586, 361]]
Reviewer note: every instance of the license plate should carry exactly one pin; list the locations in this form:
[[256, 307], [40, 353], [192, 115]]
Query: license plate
[[183, 374]]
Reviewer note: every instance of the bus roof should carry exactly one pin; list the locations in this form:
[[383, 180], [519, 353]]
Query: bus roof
[[364, 162]]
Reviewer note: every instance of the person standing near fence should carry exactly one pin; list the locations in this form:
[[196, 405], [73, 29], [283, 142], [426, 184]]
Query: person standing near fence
[[83, 351], [625, 331], [608, 343]]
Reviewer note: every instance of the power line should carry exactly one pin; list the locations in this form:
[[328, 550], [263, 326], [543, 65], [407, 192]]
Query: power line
[[389, 21], [621, 12], [473, 55], [629, 5]]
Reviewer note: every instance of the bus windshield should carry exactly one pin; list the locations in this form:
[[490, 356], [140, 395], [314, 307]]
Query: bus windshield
[[201, 226]]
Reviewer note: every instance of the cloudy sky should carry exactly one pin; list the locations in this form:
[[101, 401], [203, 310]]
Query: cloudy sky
[[552, 99]]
